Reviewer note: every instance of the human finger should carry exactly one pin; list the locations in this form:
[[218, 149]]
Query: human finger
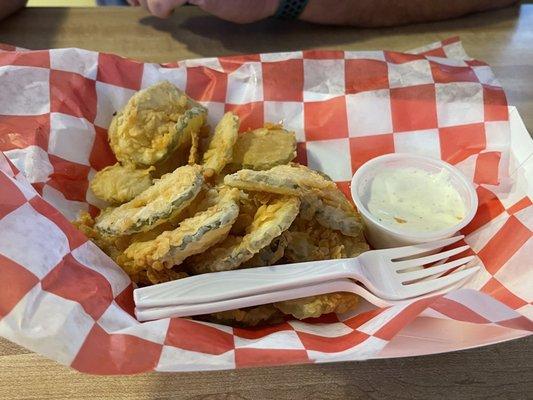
[[240, 11], [143, 4], [163, 8]]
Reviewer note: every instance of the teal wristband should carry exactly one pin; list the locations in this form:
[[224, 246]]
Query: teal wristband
[[290, 9]]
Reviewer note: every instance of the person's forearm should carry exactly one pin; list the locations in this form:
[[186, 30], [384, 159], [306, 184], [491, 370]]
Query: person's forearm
[[376, 13], [10, 6]]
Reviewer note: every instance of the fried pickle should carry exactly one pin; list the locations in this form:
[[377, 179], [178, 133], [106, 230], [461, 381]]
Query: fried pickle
[[264, 148], [315, 306], [192, 236], [219, 151], [111, 245], [289, 180], [188, 128], [335, 212], [271, 254], [182, 202], [253, 316], [118, 184], [165, 275], [270, 221], [146, 130], [162, 201], [310, 241], [318, 193]]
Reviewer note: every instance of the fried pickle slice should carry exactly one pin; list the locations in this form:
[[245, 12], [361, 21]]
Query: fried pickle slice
[[318, 194], [110, 245], [270, 221], [118, 184], [191, 121], [146, 130], [219, 151], [288, 180], [334, 213], [315, 306], [160, 276], [151, 234], [188, 127], [192, 236], [161, 202], [194, 152], [114, 247], [85, 223], [270, 254], [152, 277], [248, 206], [264, 148], [310, 241], [246, 317]]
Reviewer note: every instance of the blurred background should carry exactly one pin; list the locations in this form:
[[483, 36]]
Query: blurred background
[[73, 3], [61, 3]]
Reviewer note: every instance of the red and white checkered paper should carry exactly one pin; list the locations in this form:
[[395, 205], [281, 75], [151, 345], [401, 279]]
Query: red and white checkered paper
[[62, 297]]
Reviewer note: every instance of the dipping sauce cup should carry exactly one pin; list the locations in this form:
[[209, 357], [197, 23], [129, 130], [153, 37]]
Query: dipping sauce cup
[[381, 234]]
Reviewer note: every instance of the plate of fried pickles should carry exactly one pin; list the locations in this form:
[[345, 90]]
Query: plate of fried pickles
[[185, 198]]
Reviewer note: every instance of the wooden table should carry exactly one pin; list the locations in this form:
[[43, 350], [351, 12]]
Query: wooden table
[[503, 38]]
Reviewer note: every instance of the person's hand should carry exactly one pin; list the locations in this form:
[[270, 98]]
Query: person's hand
[[240, 11], [365, 13]]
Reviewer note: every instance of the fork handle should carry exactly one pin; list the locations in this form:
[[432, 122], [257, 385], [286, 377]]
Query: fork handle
[[226, 285], [189, 310]]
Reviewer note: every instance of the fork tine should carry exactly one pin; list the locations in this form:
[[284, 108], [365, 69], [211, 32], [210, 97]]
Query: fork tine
[[424, 273], [417, 262], [420, 288], [409, 251]]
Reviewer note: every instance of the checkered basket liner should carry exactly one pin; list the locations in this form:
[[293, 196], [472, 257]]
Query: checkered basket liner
[[62, 297]]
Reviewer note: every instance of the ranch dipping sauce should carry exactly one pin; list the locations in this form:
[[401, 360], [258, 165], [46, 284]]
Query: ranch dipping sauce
[[414, 200]]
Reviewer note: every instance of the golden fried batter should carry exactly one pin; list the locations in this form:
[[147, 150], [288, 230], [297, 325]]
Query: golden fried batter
[[264, 148], [248, 205], [315, 306], [171, 214], [145, 131], [194, 153], [111, 245], [270, 254], [162, 201], [165, 275], [270, 221], [318, 193], [310, 241], [187, 130], [219, 152], [118, 184], [192, 236], [290, 180], [335, 212], [85, 223], [253, 316]]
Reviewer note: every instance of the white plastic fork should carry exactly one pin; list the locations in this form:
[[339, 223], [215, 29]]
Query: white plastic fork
[[339, 285], [383, 272]]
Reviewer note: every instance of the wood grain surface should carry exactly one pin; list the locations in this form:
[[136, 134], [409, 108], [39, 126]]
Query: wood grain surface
[[502, 38]]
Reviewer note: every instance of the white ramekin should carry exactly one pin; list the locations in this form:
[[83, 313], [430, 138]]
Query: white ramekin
[[381, 236]]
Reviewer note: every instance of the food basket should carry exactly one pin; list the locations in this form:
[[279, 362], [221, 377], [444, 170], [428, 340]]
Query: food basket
[[62, 297]]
